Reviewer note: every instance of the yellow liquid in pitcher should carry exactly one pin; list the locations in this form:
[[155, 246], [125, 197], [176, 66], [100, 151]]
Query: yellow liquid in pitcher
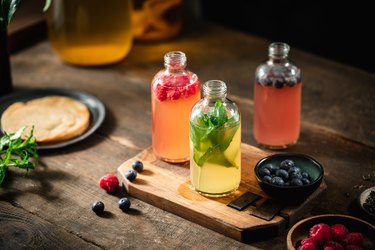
[[90, 32]]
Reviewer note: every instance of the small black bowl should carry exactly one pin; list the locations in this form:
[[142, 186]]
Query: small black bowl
[[291, 193], [362, 199]]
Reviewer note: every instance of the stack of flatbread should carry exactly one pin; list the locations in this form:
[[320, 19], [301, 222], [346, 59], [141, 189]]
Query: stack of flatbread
[[55, 118]]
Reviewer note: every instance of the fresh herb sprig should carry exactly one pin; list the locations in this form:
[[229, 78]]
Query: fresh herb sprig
[[15, 152]]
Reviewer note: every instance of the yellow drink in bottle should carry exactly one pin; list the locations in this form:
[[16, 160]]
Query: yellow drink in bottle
[[215, 143]]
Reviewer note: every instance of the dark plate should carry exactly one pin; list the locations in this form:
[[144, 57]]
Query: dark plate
[[95, 106]]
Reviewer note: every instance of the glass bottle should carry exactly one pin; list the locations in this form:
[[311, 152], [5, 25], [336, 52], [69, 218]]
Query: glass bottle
[[174, 91], [277, 99], [155, 20], [215, 142], [90, 32]]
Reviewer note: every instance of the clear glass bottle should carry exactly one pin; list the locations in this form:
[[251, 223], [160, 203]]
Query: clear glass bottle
[[174, 91], [277, 99], [215, 142], [90, 32]]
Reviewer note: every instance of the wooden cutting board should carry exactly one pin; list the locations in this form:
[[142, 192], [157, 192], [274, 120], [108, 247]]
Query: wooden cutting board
[[167, 186]]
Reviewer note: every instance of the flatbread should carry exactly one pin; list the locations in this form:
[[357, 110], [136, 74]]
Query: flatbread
[[54, 118]]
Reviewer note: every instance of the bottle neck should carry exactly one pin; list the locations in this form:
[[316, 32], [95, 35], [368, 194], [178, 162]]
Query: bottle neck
[[175, 60], [214, 89], [278, 51]]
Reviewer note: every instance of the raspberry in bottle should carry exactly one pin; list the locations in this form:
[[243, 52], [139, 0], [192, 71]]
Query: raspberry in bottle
[[174, 91], [277, 99]]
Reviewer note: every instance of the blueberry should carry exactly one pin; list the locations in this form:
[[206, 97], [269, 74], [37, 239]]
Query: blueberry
[[296, 182], [264, 171], [305, 181], [278, 181], [268, 82], [295, 175], [292, 81], [267, 179], [282, 173], [305, 175], [124, 204], [97, 207], [279, 83], [137, 166], [131, 174], [272, 168], [294, 169], [286, 164]]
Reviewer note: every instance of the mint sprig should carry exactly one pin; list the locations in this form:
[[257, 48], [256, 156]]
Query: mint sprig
[[15, 152]]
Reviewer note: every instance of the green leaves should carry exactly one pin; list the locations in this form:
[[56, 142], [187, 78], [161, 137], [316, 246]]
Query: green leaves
[[9, 7], [15, 152], [211, 135]]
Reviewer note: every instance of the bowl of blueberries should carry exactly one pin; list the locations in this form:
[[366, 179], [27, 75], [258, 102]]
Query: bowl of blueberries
[[289, 176]]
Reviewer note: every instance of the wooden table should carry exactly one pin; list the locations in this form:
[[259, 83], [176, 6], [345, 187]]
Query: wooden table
[[50, 208]]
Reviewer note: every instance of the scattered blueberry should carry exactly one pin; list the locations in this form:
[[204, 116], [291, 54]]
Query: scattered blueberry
[[137, 166], [282, 173], [131, 174], [264, 171], [98, 207], [124, 204], [286, 164], [277, 181]]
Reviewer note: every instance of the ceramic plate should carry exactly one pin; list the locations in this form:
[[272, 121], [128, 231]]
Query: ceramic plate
[[96, 107]]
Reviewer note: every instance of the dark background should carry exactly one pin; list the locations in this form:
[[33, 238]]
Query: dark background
[[342, 31]]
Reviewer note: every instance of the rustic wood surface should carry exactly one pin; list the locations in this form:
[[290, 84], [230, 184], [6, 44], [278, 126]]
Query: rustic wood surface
[[338, 129]]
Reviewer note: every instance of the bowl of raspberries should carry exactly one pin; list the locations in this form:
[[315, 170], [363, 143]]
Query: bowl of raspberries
[[289, 176], [331, 232]]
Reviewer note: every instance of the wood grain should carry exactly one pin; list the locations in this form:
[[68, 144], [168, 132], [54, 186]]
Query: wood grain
[[337, 130], [22, 230]]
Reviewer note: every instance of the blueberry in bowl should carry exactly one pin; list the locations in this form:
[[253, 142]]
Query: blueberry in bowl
[[289, 177]]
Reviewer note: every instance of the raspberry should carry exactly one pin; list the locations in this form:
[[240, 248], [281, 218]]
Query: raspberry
[[328, 248], [174, 93], [352, 247], [160, 92], [334, 245], [109, 182], [353, 238], [307, 246], [320, 233], [339, 231], [307, 240]]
